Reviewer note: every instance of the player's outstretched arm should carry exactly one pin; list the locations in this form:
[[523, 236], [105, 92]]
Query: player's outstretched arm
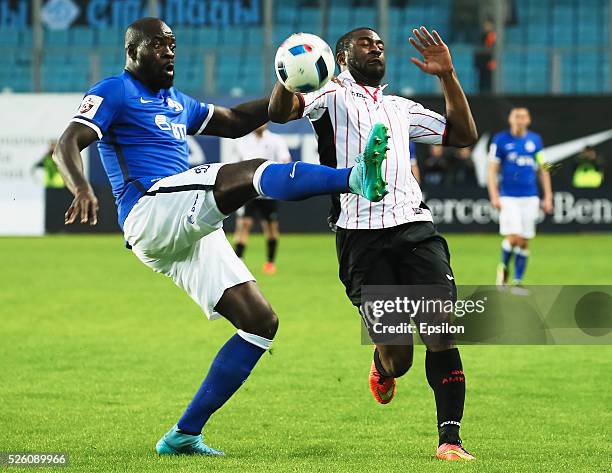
[[437, 61], [67, 156], [284, 105], [239, 120]]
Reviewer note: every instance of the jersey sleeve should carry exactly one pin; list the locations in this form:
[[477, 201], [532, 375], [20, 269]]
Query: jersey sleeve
[[539, 155], [199, 114], [426, 126], [496, 149], [101, 105], [314, 104]]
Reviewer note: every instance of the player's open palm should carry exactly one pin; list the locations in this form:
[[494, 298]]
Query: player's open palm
[[84, 207], [436, 56]]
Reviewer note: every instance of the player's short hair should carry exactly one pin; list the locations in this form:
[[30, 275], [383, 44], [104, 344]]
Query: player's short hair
[[519, 107], [139, 31], [344, 42]]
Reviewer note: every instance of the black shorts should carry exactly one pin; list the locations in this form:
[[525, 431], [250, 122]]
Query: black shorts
[[264, 209], [409, 254]]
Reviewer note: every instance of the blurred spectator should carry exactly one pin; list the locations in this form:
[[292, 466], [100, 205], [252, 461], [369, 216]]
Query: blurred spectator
[[588, 169], [460, 169], [53, 178], [483, 59], [434, 166]]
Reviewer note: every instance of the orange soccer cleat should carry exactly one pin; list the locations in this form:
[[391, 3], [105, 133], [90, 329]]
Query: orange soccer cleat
[[450, 451], [269, 268], [382, 388]]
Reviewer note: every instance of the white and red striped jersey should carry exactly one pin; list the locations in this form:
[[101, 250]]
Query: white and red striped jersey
[[342, 117]]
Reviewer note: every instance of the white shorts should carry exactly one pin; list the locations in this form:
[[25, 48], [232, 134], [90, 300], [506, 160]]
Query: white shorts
[[519, 215], [176, 229]]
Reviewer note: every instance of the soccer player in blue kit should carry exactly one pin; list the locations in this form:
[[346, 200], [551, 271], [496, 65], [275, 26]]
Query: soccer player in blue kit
[[172, 216], [515, 162]]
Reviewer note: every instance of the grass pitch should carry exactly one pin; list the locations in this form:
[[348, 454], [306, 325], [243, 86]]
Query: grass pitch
[[100, 356]]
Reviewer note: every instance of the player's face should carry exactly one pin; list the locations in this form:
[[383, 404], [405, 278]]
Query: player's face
[[155, 57], [519, 119], [367, 55]]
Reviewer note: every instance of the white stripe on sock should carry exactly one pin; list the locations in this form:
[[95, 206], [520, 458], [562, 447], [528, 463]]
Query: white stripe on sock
[[256, 340], [257, 176]]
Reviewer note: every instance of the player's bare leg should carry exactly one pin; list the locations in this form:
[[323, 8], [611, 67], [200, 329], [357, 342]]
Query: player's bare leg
[[508, 246], [241, 234], [247, 309], [389, 362], [271, 234]]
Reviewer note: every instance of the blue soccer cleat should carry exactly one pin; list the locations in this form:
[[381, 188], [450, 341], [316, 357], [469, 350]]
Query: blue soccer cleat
[[177, 443]]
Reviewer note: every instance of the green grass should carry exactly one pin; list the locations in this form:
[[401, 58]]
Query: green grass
[[99, 356]]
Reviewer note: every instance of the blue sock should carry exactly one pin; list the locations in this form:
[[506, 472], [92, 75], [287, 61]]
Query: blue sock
[[297, 181], [506, 252], [230, 368], [520, 263]]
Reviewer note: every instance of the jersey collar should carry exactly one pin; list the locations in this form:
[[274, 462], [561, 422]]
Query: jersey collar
[[376, 93], [144, 90]]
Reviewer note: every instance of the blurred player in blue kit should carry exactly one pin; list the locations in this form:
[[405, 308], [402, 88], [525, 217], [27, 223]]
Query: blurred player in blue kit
[[516, 162], [172, 216]]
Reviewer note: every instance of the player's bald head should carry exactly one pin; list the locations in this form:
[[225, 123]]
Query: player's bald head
[[144, 29]]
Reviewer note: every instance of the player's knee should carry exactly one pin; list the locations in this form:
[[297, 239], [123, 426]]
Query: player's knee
[[262, 321]]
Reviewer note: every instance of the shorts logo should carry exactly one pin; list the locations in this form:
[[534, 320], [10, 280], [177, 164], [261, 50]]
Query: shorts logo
[[90, 105], [200, 169], [190, 218], [418, 211]]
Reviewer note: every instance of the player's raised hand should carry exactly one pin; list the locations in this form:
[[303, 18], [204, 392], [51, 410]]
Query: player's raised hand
[[84, 207], [436, 56]]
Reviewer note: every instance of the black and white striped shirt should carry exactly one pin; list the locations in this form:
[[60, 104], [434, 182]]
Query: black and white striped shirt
[[342, 117]]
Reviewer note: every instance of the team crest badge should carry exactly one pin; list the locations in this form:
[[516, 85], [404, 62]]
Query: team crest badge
[[86, 105], [89, 105]]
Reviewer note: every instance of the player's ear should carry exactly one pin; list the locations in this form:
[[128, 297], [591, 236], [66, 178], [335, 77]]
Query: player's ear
[[131, 52], [341, 58]]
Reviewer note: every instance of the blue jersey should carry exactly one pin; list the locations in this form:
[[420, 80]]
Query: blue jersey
[[519, 161], [413, 156], [143, 134]]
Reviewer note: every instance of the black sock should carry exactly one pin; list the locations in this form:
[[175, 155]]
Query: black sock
[[379, 366], [272, 249], [239, 249], [445, 376]]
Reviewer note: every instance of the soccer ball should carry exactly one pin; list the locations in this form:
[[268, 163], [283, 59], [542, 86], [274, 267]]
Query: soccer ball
[[304, 63]]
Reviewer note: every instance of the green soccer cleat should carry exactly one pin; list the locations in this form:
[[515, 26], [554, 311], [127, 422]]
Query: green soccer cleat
[[366, 176], [177, 443]]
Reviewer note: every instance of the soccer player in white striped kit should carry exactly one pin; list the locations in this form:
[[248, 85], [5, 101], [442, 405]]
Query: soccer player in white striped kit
[[393, 241]]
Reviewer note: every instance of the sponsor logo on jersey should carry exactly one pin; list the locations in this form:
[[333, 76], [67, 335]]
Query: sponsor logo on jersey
[[179, 130]]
